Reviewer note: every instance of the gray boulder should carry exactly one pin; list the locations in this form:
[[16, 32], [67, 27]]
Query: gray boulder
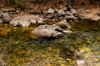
[[50, 10], [73, 11], [48, 31], [98, 13], [6, 17]]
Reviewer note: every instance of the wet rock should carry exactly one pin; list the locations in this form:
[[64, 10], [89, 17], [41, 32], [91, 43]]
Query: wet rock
[[50, 10], [6, 17], [61, 12], [26, 20], [48, 31], [0, 21], [98, 13], [73, 11], [87, 11]]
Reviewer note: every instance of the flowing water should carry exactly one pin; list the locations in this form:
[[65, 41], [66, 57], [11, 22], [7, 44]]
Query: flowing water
[[18, 47]]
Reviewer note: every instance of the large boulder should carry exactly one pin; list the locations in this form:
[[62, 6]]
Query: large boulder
[[6, 17], [48, 31]]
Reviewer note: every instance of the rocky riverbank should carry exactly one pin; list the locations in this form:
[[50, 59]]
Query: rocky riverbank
[[17, 16]]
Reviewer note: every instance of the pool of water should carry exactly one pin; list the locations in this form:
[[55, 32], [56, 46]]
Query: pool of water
[[18, 47]]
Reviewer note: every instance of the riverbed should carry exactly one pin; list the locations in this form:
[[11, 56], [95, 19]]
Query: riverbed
[[18, 47]]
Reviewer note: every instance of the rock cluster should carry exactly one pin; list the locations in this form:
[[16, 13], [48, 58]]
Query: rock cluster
[[9, 15]]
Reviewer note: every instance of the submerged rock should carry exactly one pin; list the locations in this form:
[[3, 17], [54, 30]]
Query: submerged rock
[[49, 31]]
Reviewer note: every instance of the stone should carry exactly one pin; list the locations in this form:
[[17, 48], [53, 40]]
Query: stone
[[63, 23], [50, 16], [79, 10], [68, 18], [49, 31], [50, 10], [6, 17], [61, 12], [98, 13], [69, 14], [87, 11], [73, 11]]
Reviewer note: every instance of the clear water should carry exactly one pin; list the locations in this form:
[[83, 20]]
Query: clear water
[[18, 47]]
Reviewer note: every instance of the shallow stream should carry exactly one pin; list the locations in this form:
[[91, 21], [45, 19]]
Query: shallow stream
[[18, 47]]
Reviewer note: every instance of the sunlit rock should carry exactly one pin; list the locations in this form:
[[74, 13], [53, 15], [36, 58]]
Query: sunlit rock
[[55, 30]]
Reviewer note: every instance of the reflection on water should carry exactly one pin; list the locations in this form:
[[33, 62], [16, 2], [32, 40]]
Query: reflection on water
[[18, 47]]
